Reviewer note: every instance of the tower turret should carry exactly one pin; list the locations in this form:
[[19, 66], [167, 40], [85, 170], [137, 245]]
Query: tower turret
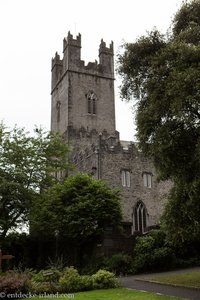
[[71, 51], [106, 57], [56, 69]]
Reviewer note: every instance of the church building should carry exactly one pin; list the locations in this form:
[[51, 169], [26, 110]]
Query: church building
[[83, 110]]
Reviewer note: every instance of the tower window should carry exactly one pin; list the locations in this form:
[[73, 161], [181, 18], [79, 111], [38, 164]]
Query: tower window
[[126, 178], [147, 179], [91, 102], [89, 106]]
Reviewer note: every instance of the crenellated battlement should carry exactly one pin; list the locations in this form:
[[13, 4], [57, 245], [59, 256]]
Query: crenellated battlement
[[70, 41], [108, 143], [72, 60], [104, 49], [56, 60], [56, 69]]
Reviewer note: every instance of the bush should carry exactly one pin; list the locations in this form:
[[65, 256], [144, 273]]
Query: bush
[[86, 283], [44, 287], [120, 264], [55, 281], [13, 282], [50, 275], [104, 280], [151, 253], [45, 281], [93, 264], [70, 280]]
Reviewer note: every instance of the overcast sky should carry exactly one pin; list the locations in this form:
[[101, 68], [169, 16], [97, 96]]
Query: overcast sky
[[33, 30]]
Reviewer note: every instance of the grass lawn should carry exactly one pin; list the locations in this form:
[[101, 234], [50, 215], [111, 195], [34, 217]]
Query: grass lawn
[[115, 294], [120, 294], [191, 279]]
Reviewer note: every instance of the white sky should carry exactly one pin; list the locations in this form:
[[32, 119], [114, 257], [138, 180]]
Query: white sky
[[31, 31]]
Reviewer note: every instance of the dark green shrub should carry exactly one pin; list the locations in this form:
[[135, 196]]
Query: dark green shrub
[[104, 280], [93, 264], [120, 264], [151, 253], [86, 283]]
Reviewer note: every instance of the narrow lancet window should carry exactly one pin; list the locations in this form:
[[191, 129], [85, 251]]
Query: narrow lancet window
[[92, 103], [147, 179], [126, 178]]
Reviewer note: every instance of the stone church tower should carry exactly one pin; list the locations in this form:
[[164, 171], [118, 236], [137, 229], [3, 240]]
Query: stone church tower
[[83, 109]]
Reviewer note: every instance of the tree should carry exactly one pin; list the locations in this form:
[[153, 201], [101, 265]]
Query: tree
[[27, 165], [79, 208], [163, 74], [181, 217]]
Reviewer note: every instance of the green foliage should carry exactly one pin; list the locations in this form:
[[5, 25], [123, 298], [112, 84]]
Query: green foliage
[[120, 264], [186, 24], [70, 280], [17, 244], [164, 77], [47, 275], [79, 208], [163, 74], [67, 281], [104, 279], [27, 164], [167, 111], [134, 65], [182, 214], [44, 287], [95, 263], [151, 253], [86, 283]]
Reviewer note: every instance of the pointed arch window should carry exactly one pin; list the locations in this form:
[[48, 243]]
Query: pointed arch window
[[140, 217], [92, 103]]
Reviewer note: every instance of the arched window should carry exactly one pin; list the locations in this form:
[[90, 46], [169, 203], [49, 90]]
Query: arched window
[[92, 103], [140, 217]]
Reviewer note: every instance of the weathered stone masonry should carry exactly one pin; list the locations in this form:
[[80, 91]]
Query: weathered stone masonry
[[83, 109]]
